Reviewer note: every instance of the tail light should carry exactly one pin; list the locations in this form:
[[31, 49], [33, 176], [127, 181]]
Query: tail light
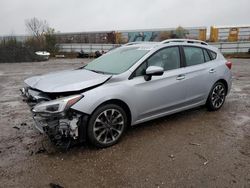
[[229, 64]]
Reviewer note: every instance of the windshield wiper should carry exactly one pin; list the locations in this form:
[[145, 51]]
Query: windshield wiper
[[96, 71]]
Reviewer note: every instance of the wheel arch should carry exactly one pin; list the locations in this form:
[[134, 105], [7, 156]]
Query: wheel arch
[[224, 82], [120, 103]]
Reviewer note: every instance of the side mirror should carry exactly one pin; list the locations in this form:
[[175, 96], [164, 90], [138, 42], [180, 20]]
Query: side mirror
[[153, 71]]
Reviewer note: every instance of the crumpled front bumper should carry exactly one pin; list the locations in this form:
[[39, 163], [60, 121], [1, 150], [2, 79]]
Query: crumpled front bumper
[[39, 126], [32, 96], [61, 127]]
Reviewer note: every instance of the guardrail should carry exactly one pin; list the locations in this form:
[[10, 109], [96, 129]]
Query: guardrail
[[86, 48], [224, 47]]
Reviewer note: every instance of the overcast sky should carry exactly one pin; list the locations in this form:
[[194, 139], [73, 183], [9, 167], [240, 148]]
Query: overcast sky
[[94, 15]]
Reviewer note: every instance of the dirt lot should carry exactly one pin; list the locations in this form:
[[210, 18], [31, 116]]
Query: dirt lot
[[195, 148]]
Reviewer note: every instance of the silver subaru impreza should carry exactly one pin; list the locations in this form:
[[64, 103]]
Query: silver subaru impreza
[[134, 83]]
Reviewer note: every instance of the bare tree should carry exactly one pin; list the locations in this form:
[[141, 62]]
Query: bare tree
[[37, 27], [43, 37]]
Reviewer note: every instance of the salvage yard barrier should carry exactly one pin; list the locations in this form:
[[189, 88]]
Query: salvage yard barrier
[[224, 47]]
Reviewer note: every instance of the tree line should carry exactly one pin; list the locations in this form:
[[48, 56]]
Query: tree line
[[42, 38]]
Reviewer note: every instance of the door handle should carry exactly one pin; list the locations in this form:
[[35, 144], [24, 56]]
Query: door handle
[[212, 71], [180, 77]]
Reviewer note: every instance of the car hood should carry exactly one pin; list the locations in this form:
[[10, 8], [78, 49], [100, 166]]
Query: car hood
[[66, 81]]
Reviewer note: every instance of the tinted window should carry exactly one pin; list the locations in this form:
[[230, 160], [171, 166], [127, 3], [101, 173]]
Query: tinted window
[[141, 70], [193, 55], [212, 54], [167, 58], [206, 55]]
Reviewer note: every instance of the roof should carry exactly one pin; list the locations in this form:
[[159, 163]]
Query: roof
[[151, 45], [168, 41]]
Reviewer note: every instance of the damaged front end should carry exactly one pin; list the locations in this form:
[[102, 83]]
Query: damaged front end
[[54, 116]]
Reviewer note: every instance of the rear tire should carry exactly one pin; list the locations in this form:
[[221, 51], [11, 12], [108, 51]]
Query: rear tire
[[107, 125], [216, 97]]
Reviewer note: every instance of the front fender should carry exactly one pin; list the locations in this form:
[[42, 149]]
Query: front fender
[[95, 97]]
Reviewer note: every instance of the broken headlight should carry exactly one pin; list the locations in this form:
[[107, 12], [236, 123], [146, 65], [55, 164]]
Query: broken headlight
[[58, 105]]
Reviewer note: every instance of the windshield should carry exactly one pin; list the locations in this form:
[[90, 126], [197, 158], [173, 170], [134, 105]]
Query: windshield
[[117, 61]]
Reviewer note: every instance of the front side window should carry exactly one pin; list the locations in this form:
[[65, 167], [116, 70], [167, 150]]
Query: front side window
[[193, 55], [167, 58], [117, 61]]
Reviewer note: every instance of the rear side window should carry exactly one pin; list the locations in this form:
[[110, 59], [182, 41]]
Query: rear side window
[[193, 55], [212, 54]]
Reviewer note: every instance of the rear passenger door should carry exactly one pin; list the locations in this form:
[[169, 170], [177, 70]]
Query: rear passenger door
[[199, 74]]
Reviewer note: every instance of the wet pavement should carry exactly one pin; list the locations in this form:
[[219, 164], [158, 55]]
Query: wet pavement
[[195, 148]]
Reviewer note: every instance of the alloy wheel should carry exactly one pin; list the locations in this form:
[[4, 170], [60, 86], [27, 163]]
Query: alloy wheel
[[108, 126], [218, 95]]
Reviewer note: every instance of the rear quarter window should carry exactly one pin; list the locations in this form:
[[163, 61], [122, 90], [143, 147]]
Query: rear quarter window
[[206, 55], [213, 55]]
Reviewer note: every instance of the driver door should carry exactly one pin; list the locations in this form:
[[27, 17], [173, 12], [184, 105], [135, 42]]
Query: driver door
[[162, 94]]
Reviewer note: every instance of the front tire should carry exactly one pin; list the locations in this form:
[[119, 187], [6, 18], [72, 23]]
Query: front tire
[[216, 96], [106, 125]]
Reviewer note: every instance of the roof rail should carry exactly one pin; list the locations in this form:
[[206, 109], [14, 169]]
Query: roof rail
[[184, 40], [138, 42], [131, 43]]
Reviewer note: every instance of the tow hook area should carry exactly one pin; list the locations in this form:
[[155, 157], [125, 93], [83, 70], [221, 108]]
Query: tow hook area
[[69, 128], [65, 131]]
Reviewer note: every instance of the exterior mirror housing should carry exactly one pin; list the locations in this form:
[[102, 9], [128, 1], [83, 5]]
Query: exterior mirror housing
[[153, 71]]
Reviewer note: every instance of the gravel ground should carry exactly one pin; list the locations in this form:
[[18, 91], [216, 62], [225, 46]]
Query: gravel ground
[[195, 148]]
